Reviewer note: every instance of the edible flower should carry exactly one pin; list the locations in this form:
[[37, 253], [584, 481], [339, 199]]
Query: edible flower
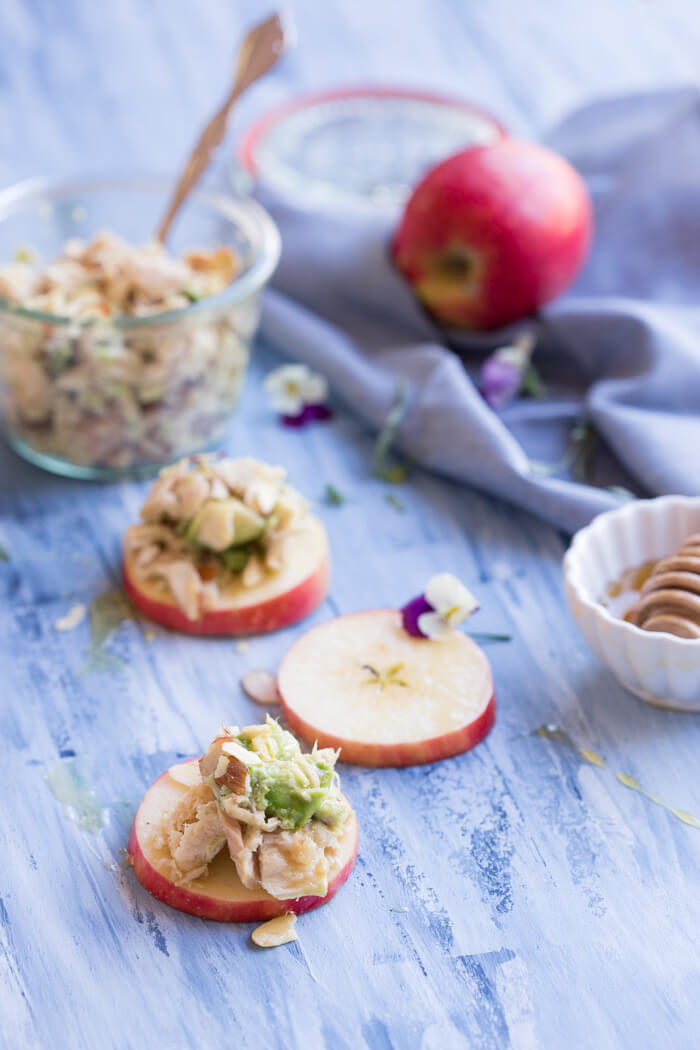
[[298, 394], [434, 614], [508, 371]]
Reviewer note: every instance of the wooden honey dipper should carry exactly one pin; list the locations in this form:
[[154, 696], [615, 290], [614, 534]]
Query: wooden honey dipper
[[670, 599]]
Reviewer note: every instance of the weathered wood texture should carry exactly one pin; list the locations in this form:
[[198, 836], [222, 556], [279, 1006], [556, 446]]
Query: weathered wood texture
[[514, 897]]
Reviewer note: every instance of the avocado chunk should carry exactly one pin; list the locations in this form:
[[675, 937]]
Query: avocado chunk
[[289, 785], [278, 793], [220, 524], [332, 811], [236, 558]]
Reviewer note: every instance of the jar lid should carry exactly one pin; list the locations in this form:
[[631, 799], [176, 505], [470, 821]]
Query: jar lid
[[359, 145]]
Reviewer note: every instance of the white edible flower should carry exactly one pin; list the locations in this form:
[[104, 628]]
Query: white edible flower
[[292, 387], [451, 603]]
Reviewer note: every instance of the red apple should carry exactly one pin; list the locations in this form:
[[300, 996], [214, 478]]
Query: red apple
[[221, 895], [361, 683], [491, 234], [281, 599]]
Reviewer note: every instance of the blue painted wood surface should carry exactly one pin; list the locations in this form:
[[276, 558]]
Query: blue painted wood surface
[[514, 897]]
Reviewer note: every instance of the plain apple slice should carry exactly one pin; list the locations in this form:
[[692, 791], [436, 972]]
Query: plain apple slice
[[221, 895], [281, 599], [362, 684]]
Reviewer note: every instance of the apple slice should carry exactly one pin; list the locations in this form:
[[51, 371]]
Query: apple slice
[[220, 895], [361, 683], [281, 599]]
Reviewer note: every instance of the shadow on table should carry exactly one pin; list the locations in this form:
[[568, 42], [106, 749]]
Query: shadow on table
[[620, 718], [23, 479]]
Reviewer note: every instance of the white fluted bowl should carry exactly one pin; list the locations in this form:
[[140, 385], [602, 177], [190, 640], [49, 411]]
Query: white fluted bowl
[[660, 668]]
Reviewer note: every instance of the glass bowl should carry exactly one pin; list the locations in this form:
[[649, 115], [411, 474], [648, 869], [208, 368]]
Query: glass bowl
[[122, 397]]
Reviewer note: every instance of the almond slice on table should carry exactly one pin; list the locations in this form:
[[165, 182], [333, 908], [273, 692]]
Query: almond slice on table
[[361, 683], [275, 932], [261, 687], [74, 616]]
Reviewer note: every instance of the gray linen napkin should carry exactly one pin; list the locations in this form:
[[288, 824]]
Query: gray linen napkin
[[621, 350]]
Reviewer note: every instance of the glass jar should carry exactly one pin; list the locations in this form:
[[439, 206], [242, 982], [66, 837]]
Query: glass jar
[[101, 399]]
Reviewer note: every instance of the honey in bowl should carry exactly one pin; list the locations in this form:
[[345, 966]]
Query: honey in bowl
[[662, 595]]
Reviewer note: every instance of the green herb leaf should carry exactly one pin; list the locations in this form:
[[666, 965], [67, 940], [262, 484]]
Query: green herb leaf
[[549, 470], [333, 497], [394, 501], [381, 468], [236, 558], [4, 553], [107, 612], [532, 385], [487, 636], [394, 475], [191, 295], [621, 492], [578, 458], [585, 439]]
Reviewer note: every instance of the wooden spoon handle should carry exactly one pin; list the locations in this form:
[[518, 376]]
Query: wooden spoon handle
[[259, 52]]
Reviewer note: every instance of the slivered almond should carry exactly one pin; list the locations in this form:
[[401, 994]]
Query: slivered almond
[[275, 932], [73, 617], [261, 687], [236, 750], [234, 775], [186, 773]]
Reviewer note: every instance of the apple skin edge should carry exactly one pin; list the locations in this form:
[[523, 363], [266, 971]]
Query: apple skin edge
[[221, 910], [410, 753], [517, 213], [271, 615]]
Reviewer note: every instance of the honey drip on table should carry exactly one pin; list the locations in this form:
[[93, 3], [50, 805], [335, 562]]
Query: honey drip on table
[[551, 731]]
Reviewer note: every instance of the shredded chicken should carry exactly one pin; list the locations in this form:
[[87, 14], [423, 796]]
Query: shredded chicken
[[287, 864], [296, 863], [192, 835], [202, 489]]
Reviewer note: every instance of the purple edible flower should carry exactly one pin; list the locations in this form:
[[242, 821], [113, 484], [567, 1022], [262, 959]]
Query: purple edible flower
[[308, 414], [503, 372], [500, 381], [410, 613], [435, 613]]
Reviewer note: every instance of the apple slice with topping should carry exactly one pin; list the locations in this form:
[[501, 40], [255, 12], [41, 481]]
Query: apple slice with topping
[[225, 546], [220, 894], [278, 600], [363, 684]]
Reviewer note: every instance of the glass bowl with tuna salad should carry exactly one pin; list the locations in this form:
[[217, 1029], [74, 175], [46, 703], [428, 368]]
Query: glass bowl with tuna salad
[[117, 355]]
